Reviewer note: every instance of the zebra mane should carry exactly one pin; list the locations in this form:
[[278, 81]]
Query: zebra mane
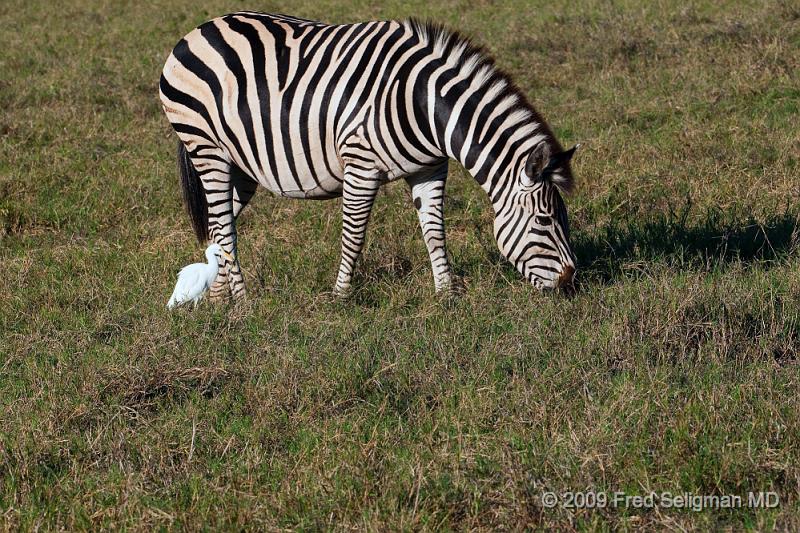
[[465, 55]]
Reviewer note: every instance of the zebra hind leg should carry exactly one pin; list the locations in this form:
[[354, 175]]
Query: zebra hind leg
[[230, 280], [214, 171], [243, 190]]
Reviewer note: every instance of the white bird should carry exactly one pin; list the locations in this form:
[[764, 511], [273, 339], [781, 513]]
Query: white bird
[[195, 280]]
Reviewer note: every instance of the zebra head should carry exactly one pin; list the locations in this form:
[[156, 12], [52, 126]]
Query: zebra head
[[531, 226]]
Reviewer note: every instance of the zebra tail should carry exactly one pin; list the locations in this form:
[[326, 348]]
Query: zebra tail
[[194, 195]]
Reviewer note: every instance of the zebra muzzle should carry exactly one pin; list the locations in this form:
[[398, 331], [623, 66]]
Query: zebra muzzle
[[566, 276]]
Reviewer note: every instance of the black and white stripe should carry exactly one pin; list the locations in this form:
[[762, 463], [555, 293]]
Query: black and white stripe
[[310, 110]]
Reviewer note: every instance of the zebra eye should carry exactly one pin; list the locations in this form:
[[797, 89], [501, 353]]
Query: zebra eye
[[543, 220]]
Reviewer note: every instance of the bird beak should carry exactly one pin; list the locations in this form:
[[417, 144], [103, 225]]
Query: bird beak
[[227, 256]]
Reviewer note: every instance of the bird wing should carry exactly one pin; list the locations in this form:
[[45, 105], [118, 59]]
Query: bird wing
[[188, 268], [191, 284]]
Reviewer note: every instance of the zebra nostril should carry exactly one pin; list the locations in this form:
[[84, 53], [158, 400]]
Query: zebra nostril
[[566, 276]]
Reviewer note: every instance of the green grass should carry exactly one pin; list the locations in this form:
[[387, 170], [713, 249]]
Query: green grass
[[674, 368]]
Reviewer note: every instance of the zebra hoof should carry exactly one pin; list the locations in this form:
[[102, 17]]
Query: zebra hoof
[[342, 294], [219, 297], [455, 287]]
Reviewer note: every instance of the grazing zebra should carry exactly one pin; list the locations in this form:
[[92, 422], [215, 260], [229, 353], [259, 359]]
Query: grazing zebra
[[311, 110]]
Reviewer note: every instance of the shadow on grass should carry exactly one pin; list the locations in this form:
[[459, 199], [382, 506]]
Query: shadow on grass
[[716, 240], [609, 253]]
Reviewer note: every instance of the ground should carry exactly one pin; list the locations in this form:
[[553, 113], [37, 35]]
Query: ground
[[673, 369]]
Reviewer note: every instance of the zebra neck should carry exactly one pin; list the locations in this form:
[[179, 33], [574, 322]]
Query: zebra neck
[[468, 110], [494, 149], [488, 127]]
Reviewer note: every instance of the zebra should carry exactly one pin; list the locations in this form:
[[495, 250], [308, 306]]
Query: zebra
[[318, 111]]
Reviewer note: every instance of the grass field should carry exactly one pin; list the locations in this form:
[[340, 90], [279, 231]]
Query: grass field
[[673, 369]]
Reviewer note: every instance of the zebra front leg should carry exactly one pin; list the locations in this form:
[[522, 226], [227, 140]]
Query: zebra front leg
[[358, 195], [428, 194], [243, 190]]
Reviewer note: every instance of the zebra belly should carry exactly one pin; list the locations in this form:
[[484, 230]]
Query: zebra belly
[[321, 186], [316, 193]]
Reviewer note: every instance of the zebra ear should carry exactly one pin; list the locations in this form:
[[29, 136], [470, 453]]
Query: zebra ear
[[536, 163], [557, 172], [560, 159]]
